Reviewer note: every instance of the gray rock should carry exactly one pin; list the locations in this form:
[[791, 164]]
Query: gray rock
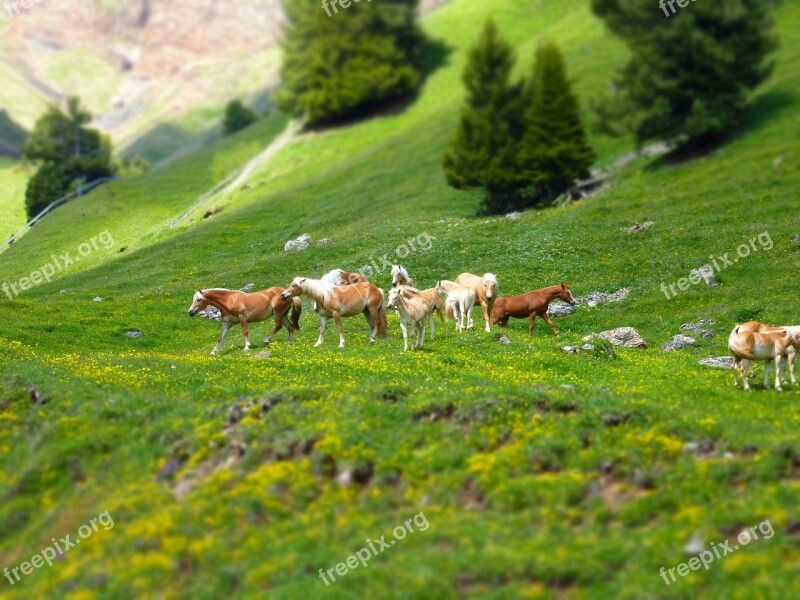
[[263, 355], [513, 216], [97, 299], [571, 349], [211, 313], [706, 274], [503, 339], [588, 347], [796, 238], [626, 337], [720, 362], [249, 287], [639, 227], [298, 244], [700, 328], [560, 309], [595, 298], [679, 342], [324, 241], [133, 333]]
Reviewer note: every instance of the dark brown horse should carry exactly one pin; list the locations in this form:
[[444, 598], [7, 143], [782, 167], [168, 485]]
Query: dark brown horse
[[530, 305]]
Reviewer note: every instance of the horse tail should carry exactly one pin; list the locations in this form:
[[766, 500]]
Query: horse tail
[[383, 324], [297, 311]]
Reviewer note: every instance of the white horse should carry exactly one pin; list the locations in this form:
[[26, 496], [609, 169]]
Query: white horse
[[413, 309], [460, 301]]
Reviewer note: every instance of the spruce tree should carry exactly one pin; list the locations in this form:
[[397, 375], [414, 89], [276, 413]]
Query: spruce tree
[[482, 153], [343, 64], [554, 151], [237, 117], [692, 68]]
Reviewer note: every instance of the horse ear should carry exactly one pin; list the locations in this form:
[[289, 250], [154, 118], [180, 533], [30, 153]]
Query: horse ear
[[563, 285]]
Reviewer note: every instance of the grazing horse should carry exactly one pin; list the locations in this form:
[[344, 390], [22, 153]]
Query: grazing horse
[[530, 305], [342, 301], [756, 327], [460, 302], [485, 291], [400, 277], [239, 307], [414, 309], [768, 347]]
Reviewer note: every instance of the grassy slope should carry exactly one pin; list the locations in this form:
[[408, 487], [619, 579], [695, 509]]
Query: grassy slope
[[13, 178], [509, 440]]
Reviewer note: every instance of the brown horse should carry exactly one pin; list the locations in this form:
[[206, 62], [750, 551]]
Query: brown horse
[[530, 305], [239, 307], [343, 301], [770, 347]]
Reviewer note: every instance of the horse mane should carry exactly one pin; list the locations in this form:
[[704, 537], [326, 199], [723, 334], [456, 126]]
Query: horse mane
[[318, 288], [490, 277], [334, 277]]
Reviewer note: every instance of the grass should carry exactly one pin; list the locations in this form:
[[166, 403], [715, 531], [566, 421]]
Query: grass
[[13, 179], [542, 474]]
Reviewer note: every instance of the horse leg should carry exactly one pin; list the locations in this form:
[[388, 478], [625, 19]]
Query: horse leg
[[485, 309], [421, 326], [323, 325], [225, 328], [372, 321], [279, 322], [745, 369], [792, 360], [766, 374], [246, 333], [433, 326], [549, 321], [533, 323], [404, 327], [338, 318], [736, 366], [778, 363]]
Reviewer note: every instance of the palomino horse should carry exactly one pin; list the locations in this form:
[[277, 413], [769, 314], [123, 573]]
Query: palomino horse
[[339, 277], [460, 302], [768, 347], [414, 309], [342, 301], [401, 277], [485, 291], [530, 305], [756, 327], [239, 307]]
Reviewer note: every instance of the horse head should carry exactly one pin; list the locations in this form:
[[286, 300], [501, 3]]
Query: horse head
[[490, 285], [199, 303], [295, 288], [393, 295], [566, 295], [400, 276]]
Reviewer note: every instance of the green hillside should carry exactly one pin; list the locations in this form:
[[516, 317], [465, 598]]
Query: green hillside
[[541, 474]]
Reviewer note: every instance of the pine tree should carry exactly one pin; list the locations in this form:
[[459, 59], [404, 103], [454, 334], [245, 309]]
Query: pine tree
[[554, 151], [482, 153], [351, 62], [68, 151], [691, 69]]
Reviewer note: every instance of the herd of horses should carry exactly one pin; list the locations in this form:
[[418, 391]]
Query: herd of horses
[[340, 294]]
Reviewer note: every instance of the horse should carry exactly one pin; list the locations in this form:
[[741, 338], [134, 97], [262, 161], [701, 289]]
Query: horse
[[414, 309], [530, 305], [485, 291], [339, 277], [342, 301], [460, 302], [235, 306], [400, 277], [745, 346], [756, 327]]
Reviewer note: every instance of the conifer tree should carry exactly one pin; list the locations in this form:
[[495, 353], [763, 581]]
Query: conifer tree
[[692, 68], [482, 153], [554, 151], [343, 64]]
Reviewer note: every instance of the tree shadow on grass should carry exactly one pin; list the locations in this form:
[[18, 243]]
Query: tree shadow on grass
[[759, 114]]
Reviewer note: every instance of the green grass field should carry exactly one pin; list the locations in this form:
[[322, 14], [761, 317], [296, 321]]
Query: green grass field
[[13, 178], [541, 474]]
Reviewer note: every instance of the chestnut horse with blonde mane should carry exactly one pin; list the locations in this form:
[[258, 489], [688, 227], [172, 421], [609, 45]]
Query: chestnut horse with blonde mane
[[239, 307], [530, 305], [342, 301]]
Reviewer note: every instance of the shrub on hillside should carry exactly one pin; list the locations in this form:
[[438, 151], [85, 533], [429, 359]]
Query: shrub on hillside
[[237, 117], [341, 66]]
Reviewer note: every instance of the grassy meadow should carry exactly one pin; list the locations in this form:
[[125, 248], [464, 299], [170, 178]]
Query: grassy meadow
[[542, 474]]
